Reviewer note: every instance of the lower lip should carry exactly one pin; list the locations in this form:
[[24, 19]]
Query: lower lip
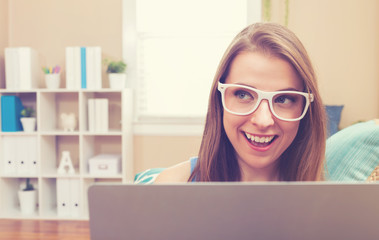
[[260, 149]]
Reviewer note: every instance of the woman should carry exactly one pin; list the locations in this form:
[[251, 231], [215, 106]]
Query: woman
[[265, 119]]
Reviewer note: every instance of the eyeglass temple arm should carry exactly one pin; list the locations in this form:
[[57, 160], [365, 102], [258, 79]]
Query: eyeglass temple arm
[[311, 97]]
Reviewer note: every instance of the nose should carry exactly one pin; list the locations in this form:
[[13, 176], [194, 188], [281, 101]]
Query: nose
[[262, 116]]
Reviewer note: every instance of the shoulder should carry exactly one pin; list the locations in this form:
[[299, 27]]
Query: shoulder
[[176, 174]]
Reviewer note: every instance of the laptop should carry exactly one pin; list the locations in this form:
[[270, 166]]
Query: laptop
[[217, 211]]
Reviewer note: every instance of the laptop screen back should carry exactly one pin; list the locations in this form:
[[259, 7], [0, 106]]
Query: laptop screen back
[[234, 211]]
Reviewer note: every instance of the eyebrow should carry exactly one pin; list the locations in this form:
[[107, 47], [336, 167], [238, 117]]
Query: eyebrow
[[284, 89]]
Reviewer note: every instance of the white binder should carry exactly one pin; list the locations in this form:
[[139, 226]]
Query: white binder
[[63, 197], [75, 200], [32, 159], [22, 156], [9, 158], [68, 197]]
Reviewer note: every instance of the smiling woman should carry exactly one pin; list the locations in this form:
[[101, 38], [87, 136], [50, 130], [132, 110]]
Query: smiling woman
[[265, 120]]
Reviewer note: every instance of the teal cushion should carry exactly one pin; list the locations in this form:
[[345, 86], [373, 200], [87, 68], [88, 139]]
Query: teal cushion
[[353, 153], [148, 176]]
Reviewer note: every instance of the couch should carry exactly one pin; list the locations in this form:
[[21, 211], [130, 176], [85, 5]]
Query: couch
[[352, 154]]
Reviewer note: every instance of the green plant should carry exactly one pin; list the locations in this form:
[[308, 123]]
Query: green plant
[[28, 112], [29, 186], [115, 66], [266, 10]]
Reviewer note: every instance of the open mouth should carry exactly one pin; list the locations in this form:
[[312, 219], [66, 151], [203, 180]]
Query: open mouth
[[260, 141]]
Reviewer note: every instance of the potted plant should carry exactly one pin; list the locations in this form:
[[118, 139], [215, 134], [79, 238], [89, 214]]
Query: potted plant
[[28, 198], [116, 74], [28, 119]]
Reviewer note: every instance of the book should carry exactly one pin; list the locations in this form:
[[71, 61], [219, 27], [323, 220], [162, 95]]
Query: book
[[12, 64], [98, 111], [102, 111], [83, 67], [90, 67], [91, 115], [70, 78], [29, 68], [21, 68], [97, 68], [11, 107], [93, 61], [77, 68]]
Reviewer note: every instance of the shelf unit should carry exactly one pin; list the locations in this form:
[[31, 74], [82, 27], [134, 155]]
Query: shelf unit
[[81, 143]]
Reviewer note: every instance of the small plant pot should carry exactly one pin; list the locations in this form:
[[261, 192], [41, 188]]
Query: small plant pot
[[117, 80], [52, 80], [28, 202], [28, 124]]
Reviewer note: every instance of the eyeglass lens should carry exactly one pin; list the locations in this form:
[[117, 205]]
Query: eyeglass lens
[[243, 100]]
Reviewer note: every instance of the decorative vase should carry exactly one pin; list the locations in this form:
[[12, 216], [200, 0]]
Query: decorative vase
[[28, 201], [52, 80], [28, 124], [117, 80]]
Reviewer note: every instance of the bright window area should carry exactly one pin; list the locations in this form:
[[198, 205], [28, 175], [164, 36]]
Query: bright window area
[[173, 48]]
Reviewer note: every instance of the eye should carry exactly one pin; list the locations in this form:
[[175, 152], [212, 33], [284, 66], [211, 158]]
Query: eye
[[243, 95], [285, 99]]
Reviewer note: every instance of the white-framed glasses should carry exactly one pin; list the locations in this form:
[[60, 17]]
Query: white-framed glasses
[[284, 105]]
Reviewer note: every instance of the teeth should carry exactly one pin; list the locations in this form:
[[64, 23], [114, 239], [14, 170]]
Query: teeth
[[259, 139]]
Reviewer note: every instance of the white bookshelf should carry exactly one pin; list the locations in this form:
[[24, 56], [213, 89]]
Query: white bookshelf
[[82, 144]]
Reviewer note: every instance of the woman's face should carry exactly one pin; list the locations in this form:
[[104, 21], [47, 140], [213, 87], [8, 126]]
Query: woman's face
[[257, 160]]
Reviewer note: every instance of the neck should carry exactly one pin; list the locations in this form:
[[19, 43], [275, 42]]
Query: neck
[[267, 174]]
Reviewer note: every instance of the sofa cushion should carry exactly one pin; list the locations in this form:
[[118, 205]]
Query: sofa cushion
[[353, 153], [148, 176]]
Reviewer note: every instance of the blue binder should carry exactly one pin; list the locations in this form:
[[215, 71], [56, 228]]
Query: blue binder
[[11, 107]]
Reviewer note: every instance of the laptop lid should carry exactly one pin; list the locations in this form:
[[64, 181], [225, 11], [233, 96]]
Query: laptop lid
[[215, 211]]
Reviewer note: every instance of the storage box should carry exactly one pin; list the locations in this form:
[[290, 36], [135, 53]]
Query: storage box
[[105, 164]]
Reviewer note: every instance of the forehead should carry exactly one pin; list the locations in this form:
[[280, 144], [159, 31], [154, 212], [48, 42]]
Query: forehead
[[264, 72]]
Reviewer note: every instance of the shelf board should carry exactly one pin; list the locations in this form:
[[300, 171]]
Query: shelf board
[[60, 90], [3, 90], [91, 176], [19, 133], [15, 213], [56, 175], [77, 133], [111, 132], [18, 176], [59, 133], [46, 215]]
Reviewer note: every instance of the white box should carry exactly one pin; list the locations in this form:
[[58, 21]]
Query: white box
[[105, 164]]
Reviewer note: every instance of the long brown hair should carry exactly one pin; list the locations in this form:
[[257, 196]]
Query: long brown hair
[[303, 160]]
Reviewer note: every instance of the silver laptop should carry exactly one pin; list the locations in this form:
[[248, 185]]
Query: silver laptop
[[217, 211]]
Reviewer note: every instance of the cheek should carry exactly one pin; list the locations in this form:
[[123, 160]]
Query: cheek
[[232, 124], [290, 130]]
